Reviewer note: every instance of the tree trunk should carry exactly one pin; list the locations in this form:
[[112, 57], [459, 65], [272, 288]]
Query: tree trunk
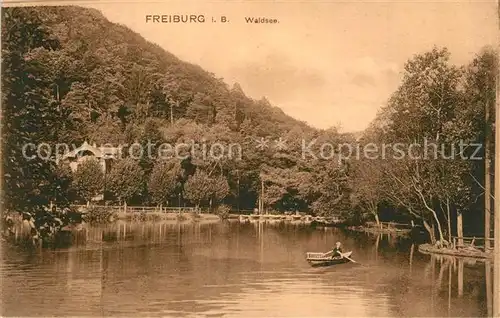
[[376, 218], [487, 211], [436, 221], [262, 195], [430, 230], [88, 203], [125, 206], [433, 230], [460, 229], [449, 219], [487, 179], [434, 214]]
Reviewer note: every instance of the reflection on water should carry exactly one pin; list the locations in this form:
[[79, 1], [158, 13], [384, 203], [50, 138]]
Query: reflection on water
[[253, 270]]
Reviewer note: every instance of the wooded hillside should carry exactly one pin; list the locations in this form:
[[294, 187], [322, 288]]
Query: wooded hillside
[[69, 75]]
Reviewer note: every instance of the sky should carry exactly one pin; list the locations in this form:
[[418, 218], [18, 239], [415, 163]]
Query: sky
[[327, 63]]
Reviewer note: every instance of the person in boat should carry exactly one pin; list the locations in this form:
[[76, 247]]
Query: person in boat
[[337, 250]]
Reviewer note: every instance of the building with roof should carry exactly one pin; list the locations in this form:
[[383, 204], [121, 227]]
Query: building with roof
[[104, 155]]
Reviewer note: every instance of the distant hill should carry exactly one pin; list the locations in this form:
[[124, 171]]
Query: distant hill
[[111, 77], [69, 76]]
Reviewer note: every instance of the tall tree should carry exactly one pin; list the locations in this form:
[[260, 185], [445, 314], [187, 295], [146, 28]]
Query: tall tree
[[126, 180], [88, 179], [30, 117], [200, 188], [367, 178], [220, 189], [164, 181], [475, 120]]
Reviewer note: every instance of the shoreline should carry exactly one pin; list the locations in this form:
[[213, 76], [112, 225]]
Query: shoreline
[[377, 230], [169, 216], [477, 254]]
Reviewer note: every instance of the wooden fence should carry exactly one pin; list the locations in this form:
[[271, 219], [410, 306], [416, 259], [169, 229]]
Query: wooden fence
[[156, 209], [390, 225], [143, 209], [471, 241]]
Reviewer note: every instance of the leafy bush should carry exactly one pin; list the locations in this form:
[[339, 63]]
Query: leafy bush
[[98, 215], [88, 180], [223, 211]]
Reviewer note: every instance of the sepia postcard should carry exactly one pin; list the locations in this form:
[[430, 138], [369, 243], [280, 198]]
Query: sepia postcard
[[251, 158]]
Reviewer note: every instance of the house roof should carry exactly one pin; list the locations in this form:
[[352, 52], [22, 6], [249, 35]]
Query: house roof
[[101, 152]]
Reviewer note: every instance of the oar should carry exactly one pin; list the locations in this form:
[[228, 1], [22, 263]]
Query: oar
[[344, 256]]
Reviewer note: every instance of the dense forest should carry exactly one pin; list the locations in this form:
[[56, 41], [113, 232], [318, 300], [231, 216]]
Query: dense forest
[[69, 76]]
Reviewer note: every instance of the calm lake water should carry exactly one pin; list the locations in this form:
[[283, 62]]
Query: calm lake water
[[232, 269]]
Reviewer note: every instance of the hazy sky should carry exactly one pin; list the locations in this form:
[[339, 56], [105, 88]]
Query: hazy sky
[[325, 62]]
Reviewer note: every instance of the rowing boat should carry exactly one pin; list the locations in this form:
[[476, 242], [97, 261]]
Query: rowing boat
[[321, 259]]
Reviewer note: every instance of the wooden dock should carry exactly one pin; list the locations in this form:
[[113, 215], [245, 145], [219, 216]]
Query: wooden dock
[[384, 228], [274, 218], [457, 252]]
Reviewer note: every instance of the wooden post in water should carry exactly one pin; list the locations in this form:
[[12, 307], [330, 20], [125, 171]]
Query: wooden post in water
[[102, 270], [238, 202], [238, 239], [433, 272], [489, 292], [449, 288], [262, 196], [460, 229], [261, 239], [460, 277]]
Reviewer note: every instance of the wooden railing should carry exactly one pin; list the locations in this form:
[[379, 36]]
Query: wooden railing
[[143, 209], [389, 225], [471, 241], [171, 209]]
